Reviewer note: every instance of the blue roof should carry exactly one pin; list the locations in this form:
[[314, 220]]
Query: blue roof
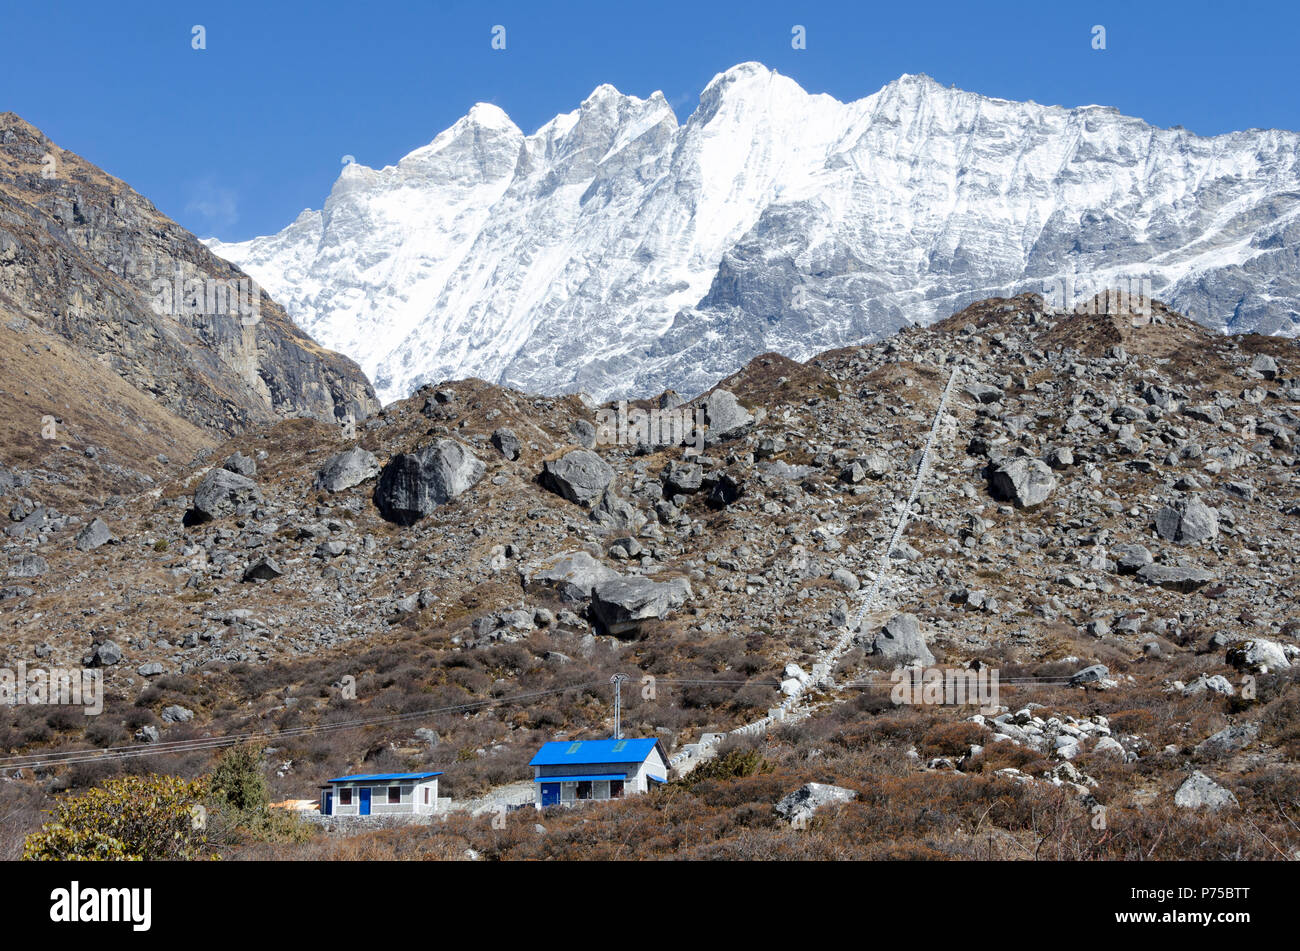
[[381, 777], [585, 752], [594, 777]]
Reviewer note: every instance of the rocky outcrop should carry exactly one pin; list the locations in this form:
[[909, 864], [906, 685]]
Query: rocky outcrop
[[88, 259], [95, 533], [1187, 521]]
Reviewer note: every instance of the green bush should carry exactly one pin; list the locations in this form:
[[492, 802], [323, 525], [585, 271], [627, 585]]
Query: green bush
[[135, 818]]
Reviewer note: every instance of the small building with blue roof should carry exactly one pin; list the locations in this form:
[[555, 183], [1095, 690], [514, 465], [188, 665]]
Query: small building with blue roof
[[572, 771], [380, 794]]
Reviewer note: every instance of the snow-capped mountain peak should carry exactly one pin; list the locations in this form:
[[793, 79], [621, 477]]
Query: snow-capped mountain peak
[[618, 251]]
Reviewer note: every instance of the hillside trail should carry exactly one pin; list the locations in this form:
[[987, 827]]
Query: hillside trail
[[873, 612]]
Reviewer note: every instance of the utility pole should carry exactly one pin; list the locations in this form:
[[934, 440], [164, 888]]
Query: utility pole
[[617, 681]]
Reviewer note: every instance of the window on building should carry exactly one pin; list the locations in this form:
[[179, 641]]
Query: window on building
[[584, 789], [567, 791], [616, 789], [600, 789], [345, 796], [426, 795], [394, 794]]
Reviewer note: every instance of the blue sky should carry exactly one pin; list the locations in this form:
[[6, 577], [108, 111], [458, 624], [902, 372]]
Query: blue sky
[[236, 139]]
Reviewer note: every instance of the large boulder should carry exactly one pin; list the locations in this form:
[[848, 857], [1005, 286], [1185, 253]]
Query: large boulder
[[264, 569], [623, 605], [95, 533], [1130, 559], [1228, 740], [223, 493], [799, 806], [103, 654], [1023, 481], [241, 464], [1184, 578], [1257, 655], [1187, 521], [725, 416], [507, 443], [347, 469], [1201, 792], [900, 641], [413, 484], [1096, 676], [580, 476], [572, 575], [683, 478]]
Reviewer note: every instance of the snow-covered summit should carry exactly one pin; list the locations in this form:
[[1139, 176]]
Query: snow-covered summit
[[618, 251]]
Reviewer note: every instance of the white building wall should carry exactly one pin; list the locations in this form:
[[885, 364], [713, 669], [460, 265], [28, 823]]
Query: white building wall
[[412, 798], [637, 781]]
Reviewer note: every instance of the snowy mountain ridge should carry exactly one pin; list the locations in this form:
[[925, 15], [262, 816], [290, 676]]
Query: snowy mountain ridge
[[619, 252]]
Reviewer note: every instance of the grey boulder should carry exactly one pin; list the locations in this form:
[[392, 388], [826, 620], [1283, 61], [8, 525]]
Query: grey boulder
[[347, 469], [507, 443], [1184, 578], [1201, 792], [900, 641], [1023, 481], [240, 464], [413, 484], [623, 605], [800, 805], [573, 575], [103, 654], [264, 569], [223, 493], [725, 416], [580, 476], [95, 533], [1187, 521]]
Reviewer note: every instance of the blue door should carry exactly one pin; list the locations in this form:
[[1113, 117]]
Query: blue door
[[550, 794], [327, 804], [365, 801]]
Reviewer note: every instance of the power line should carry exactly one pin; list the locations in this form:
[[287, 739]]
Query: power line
[[37, 760], [199, 744]]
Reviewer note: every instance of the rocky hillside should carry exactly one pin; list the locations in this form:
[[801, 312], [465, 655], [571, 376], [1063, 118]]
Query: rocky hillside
[[88, 262], [1110, 521]]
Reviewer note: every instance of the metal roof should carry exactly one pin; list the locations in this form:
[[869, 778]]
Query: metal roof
[[586, 752], [381, 777], [594, 777]]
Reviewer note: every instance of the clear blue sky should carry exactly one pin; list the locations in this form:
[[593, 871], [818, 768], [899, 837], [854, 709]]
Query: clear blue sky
[[236, 139]]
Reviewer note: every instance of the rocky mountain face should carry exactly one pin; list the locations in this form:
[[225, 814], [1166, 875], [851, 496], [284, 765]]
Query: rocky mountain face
[[1110, 518], [619, 252], [87, 261]]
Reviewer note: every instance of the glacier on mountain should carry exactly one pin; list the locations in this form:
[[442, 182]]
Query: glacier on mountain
[[619, 252]]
